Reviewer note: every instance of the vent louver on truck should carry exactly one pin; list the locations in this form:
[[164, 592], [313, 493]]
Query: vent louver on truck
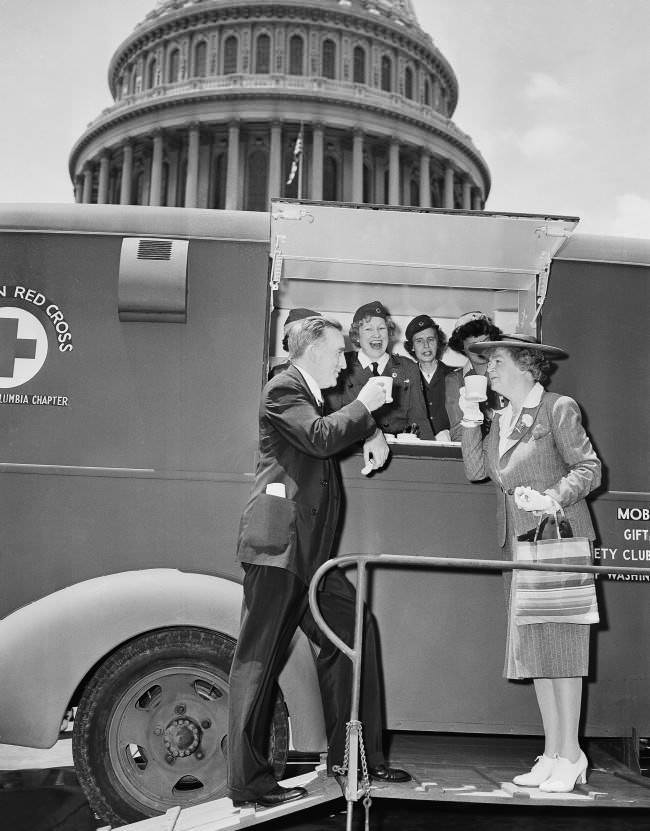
[[155, 249], [152, 284]]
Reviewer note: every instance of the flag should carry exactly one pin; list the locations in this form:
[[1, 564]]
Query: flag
[[297, 153]]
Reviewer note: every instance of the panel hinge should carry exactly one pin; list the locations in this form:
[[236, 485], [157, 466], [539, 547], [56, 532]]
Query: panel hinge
[[277, 262], [294, 212]]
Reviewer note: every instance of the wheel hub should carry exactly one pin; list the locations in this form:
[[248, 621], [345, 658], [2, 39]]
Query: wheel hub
[[181, 737]]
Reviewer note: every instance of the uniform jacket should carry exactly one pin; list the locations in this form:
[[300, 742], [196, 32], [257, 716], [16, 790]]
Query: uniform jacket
[[407, 406], [297, 446], [552, 454], [434, 401]]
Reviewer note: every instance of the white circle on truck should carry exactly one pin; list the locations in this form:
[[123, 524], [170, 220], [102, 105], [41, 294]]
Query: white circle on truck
[[23, 346]]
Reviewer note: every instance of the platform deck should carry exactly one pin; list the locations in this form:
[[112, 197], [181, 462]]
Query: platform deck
[[444, 769]]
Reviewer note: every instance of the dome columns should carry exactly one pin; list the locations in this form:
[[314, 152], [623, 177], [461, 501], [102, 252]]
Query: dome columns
[[88, 183], [275, 161], [357, 165], [155, 190], [192, 180], [425, 179], [393, 172], [207, 165], [127, 173], [317, 156], [232, 175], [448, 194], [104, 170]]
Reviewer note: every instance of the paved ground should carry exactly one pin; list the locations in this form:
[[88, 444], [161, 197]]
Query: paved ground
[[39, 792]]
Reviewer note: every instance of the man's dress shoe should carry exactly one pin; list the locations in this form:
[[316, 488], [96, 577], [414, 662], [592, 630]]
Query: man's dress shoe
[[383, 773], [276, 796]]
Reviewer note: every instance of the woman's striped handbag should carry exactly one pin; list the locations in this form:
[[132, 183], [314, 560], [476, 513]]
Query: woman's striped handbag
[[553, 596]]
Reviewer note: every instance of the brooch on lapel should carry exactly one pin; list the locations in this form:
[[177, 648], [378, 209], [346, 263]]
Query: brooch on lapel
[[539, 430], [523, 423]]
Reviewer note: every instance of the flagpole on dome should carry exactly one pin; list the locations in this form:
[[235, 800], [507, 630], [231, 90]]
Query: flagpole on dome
[[296, 162], [301, 139]]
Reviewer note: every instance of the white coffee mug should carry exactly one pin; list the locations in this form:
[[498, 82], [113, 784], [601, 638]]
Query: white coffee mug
[[475, 387], [387, 384]]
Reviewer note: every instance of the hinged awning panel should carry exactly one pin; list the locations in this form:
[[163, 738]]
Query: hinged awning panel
[[415, 247]]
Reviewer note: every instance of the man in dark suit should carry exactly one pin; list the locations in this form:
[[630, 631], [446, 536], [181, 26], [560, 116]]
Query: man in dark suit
[[286, 533]]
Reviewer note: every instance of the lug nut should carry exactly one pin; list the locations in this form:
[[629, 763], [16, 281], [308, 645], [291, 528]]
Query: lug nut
[[206, 724], [180, 709]]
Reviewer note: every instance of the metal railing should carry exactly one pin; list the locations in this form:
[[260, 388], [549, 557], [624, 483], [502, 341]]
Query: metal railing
[[354, 652]]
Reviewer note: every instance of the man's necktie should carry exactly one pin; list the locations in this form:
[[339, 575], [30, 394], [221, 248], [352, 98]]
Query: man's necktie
[[375, 367]]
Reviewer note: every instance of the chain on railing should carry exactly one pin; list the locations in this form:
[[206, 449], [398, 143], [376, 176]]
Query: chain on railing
[[354, 732]]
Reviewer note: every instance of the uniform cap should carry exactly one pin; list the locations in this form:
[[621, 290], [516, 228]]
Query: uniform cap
[[372, 309], [418, 324], [299, 314]]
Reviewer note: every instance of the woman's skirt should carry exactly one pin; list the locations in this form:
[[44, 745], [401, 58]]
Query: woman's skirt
[[543, 650]]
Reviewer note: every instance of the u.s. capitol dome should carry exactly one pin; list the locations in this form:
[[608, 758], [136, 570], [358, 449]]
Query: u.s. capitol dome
[[210, 97]]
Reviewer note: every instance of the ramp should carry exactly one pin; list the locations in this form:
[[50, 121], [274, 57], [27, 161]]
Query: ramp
[[220, 815]]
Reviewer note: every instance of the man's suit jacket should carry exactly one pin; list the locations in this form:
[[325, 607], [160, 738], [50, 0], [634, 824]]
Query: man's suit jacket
[[552, 454], [297, 448]]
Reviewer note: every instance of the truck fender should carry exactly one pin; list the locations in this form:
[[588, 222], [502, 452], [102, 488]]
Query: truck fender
[[50, 645]]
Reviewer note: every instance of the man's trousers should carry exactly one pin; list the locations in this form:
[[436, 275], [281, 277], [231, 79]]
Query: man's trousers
[[275, 604]]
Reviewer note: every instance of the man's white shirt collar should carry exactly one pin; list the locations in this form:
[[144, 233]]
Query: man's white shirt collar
[[314, 389], [366, 362]]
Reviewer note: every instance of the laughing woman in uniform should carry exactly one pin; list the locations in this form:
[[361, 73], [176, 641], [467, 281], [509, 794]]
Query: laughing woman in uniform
[[540, 459]]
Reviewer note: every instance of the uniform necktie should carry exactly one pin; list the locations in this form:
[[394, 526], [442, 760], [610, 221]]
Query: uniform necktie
[[375, 367]]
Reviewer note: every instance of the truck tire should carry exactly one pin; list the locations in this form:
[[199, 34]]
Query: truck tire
[[151, 726]]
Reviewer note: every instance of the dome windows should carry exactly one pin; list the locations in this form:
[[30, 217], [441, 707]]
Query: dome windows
[[408, 82], [150, 77], [386, 73], [174, 66], [328, 62], [263, 54], [296, 55], [359, 65], [200, 63], [230, 52]]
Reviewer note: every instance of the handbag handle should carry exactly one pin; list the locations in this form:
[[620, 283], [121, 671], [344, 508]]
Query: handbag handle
[[541, 522]]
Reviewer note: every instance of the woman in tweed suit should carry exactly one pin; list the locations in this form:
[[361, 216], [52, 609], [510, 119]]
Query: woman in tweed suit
[[540, 459]]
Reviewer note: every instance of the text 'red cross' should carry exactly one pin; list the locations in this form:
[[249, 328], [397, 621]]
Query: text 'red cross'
[[12, 347]]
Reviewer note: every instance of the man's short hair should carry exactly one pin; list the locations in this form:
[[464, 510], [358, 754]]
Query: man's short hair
[[308, 331]]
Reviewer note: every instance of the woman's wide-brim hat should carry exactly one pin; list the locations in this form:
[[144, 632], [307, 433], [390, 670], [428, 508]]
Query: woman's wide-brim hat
[[519, 342]]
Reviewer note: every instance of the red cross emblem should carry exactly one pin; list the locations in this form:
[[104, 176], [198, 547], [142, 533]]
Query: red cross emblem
[[23, 346]]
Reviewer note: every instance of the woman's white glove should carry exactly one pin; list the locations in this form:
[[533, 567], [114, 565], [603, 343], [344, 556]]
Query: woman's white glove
[[527, 499], [472, 415]]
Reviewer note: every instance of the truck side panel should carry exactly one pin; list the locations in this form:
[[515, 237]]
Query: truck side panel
[[151, 456]]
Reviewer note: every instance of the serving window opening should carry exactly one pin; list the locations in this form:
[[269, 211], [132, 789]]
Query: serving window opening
[[335, 258]]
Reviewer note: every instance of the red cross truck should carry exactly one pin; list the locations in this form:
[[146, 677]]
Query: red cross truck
[[134, 343]]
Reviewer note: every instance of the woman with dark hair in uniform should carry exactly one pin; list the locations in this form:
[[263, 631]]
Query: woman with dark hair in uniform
[[426, 342], [470, 328]]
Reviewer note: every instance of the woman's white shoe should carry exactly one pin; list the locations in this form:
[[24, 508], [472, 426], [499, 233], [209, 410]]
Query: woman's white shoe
[[566, 775], [540, 772]]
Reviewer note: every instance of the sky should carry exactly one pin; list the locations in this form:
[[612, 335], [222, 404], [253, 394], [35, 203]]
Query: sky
[[554, 94]]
